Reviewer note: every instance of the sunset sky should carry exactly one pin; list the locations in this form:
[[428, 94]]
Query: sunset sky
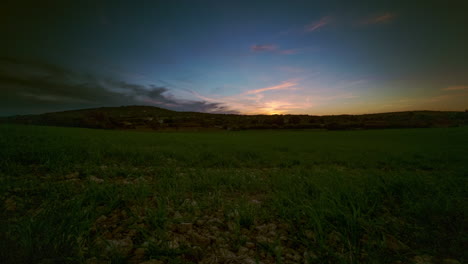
[[247, 57]]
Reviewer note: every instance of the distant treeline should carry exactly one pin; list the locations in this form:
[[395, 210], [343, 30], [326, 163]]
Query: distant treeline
[[154, 118]]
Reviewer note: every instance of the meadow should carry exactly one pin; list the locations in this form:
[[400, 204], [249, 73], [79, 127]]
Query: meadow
[[75, 195]]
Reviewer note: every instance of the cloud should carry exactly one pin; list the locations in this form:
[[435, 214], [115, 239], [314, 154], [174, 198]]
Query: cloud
[[318, 24], [33, 87], [291, 96], [273, 48], [284, 85], [378, 19], [261, 48], [257, 102], [456, 88]]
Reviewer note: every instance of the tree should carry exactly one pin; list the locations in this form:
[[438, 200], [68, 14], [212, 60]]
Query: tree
[[294, 119]]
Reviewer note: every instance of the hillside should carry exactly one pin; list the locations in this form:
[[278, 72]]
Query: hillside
[[155, 118]]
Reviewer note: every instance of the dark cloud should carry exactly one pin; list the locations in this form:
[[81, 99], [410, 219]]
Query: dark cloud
[[29, 87]]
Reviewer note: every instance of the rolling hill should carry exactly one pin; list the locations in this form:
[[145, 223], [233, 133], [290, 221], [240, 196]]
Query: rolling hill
[[155, 118]]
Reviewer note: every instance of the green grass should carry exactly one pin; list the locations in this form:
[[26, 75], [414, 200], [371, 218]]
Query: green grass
[[375, 196]]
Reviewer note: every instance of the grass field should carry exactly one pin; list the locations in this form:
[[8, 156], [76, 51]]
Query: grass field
[[71, 195]]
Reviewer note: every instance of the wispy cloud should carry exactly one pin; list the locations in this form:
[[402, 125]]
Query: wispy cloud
[[273, 49], [318, 24], [379, 19], [289, 97], [256, 101], [262, 48], [279, 107], [456, 88], [285, 85]]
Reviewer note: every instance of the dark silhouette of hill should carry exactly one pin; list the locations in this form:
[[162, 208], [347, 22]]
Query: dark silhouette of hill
[[155, 118]]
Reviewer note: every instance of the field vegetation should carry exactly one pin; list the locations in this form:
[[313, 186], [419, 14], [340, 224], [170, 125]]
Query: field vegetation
[[76, 195]]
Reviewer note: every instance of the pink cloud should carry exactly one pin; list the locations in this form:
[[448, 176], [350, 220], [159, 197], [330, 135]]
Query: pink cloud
[[318, 24], [456, 88], [261, 48], [285, 85], [382, 18]]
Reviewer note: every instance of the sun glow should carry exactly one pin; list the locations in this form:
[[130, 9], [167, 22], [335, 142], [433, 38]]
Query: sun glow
[[275, 107]]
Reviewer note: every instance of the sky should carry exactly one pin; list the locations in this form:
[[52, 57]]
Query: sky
[[245, 57]]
